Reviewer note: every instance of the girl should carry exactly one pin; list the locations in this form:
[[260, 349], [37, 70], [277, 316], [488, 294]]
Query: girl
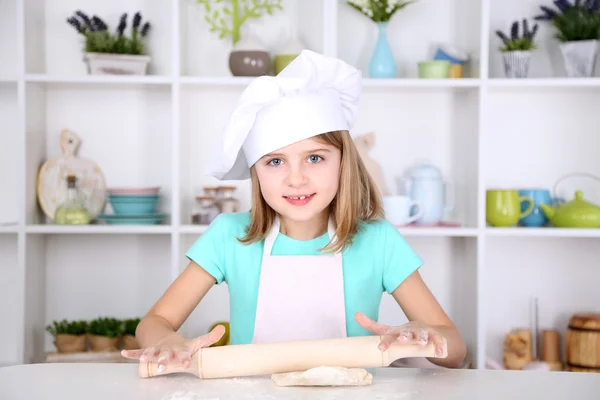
[[314, 255]]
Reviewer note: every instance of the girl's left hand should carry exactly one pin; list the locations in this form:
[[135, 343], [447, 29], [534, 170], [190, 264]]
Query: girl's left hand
[[409, 333]]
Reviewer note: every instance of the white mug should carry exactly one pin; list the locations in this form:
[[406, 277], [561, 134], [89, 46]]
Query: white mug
[[397, 209]]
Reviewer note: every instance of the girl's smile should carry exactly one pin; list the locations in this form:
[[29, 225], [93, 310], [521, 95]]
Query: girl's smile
[[299, 200]]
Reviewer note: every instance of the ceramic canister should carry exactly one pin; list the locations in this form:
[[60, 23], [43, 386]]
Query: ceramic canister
[[435, 195]]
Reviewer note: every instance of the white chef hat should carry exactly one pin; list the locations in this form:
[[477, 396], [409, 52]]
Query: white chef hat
[[314, 94]]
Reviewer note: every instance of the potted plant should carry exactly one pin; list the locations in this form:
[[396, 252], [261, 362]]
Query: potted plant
[[516, 49], [113, 53], [69, 336], [382, 64], [578, 26], [248, 56], [129, 327], [105, 334]]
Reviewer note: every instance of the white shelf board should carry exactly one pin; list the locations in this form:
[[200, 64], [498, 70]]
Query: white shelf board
[[543, 82], [99, 229], [9, 229], [543, 232], [100, 79]]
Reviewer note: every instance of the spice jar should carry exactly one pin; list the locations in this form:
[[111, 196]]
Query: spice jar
[[206, 211], [227, 203]]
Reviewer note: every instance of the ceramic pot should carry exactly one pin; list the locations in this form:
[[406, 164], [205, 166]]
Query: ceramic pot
[[70, 343], [580, 57], [249, 58], [116, 64], [382, 63], [516, 63], [104, 344], [130, 343]]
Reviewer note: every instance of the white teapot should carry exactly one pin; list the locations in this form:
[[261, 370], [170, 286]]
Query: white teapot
[[426, 185]]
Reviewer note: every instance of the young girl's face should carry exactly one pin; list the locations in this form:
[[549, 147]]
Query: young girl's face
[[299, 181]]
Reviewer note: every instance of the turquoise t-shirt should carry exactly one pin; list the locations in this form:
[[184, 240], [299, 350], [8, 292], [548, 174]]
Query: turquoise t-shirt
[[378, 260]]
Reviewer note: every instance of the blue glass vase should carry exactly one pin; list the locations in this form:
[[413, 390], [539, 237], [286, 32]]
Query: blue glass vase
[[382, 63]]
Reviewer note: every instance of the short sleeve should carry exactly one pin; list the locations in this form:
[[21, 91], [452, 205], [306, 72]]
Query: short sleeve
[[208, 250], [399, 259]]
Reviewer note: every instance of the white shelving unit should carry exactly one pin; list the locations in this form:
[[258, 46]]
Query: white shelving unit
[[483, 131]]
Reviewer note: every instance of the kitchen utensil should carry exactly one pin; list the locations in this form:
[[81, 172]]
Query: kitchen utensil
[[582, 341], [435, 195], [278, 357], [536, 218], [398, 210], [134, 191], [576, 213], [435, 69], [128, 204], [503, 207], [52, 178], [132, 219]]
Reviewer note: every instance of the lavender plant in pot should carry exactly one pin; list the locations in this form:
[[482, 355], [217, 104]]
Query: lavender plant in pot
[[578, 30], [69, 336], [516, 49], [109, 53]]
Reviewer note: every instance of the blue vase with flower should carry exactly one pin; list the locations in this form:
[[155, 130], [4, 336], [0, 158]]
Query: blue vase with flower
[[382, 64]]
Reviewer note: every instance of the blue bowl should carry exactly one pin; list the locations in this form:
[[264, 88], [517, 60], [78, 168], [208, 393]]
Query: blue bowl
[[134, 204]]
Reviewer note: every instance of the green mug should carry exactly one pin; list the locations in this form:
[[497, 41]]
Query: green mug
[[503, 207]]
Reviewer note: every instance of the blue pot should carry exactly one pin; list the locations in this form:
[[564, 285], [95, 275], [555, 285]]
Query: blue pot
[[382, 63], [133, 204]]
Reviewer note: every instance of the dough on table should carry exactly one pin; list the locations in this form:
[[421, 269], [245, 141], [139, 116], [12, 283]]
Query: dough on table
[[324, 376]]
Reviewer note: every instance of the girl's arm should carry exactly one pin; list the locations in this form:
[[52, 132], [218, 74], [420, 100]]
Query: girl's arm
[[175, 305], [419, 305]]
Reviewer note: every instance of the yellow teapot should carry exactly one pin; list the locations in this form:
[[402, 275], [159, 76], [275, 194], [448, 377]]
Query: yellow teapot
[[576, 213]]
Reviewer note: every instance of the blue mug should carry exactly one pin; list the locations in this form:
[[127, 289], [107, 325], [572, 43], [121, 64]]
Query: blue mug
[[536, 218]]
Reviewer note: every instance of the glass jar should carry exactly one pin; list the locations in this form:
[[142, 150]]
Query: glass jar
[[228, 203], [205, 211], [73, 210]]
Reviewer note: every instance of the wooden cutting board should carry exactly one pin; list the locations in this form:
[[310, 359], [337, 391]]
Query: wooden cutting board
[[52, 178]]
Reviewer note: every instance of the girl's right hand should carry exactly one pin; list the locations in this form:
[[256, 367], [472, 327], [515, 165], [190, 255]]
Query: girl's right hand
[[175, 348]]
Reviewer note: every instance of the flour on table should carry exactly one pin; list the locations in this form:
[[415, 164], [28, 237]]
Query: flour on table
[[324, 376], [185, 395]]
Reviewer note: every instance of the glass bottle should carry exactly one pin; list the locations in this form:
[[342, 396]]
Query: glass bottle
[[211, 191], [73, 210], [227, 202], [206, 211]]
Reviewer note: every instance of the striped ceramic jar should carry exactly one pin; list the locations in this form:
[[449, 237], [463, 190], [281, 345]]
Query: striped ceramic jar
[[516, 63]]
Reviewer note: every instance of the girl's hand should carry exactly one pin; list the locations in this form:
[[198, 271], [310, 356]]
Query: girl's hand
[[409, 333], [175, 349]]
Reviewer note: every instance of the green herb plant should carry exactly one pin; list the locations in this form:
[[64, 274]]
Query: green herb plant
[[379, 10], [574, 21], [99, 39], [65, 327], [237, 12], [515, 41], [106, 326], [130, 325]]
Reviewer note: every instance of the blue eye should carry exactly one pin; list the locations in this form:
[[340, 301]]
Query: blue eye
[[275, 162], [314, 158]]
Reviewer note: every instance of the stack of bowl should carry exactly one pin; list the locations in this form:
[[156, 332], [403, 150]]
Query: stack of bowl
[[133, 206]]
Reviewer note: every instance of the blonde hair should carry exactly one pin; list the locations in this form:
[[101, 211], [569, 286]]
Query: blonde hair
[[357, 200]]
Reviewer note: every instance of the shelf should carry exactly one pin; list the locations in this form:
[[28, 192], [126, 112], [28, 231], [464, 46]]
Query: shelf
[[543, 232], [78, 80], [550, 83], [9, 228], [99, 229], [421, 83]]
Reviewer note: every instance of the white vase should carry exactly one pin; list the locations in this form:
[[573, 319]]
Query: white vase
[[580, 57], [516, 63]]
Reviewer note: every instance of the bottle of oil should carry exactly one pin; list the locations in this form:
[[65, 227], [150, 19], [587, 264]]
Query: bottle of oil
[[73, 210]]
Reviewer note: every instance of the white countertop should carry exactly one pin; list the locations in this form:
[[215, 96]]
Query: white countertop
[[61, 381]]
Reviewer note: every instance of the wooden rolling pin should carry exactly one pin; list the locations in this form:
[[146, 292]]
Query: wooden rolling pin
[[273, 358]]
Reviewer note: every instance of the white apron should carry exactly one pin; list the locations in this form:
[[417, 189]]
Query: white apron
[[299, 297]]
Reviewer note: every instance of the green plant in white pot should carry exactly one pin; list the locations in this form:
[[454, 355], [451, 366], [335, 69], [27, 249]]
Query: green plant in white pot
[[113, 53], [578, 30], [516, 49]]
